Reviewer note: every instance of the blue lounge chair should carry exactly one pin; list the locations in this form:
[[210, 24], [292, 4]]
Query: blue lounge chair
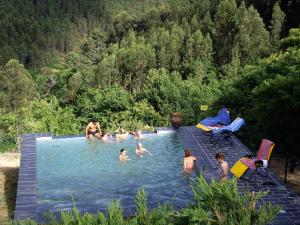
[[225, 131], [222, 119]]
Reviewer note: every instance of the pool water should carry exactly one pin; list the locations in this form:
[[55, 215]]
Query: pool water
[[89, 174]]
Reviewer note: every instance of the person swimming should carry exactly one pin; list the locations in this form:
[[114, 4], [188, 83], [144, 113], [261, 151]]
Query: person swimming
[[123, 156], [140, 150], [189, 161]]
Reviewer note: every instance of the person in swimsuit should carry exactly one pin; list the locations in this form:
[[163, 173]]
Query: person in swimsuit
[[93, 130], [224, 168], [137, 134], [123, 156], [188, 161], [121, 134], [140, 150], [104, 137]]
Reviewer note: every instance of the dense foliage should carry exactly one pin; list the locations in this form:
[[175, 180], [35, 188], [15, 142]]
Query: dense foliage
[[132, 64], [215, 203]]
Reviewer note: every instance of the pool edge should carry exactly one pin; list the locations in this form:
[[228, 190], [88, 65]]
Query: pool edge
[[26, 199]]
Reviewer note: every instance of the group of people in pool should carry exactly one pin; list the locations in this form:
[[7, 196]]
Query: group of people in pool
[[139, 151], [93, 129]]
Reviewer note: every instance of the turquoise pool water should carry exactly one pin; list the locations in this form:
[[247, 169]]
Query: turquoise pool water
[[90, 173]]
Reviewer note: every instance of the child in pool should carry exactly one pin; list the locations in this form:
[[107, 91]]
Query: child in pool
[[188, 161], [123, 156], [140, 150], [224, 168]]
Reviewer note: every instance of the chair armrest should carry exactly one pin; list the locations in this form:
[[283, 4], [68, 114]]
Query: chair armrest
[[249, 156]]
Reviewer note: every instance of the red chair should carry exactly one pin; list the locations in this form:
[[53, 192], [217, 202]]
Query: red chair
[[261, 161]]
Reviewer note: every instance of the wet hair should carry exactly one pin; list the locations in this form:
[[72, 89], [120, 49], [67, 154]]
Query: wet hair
[[187, 153], [94, 120], [139, 144], [219, 155], [122, 150]]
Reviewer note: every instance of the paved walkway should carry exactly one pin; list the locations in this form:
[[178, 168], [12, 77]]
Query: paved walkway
[[199, 143]]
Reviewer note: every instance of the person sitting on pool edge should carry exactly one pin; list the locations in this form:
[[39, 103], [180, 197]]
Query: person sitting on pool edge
[[224, 168], [93, 130], [123, 156], [189, 161], [140, 150]]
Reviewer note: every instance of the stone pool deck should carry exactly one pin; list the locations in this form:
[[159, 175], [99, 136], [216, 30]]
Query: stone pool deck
[[191, 137], [279, 194]]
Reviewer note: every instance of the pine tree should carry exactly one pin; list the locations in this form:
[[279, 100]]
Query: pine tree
[[277, 23], [207, 24], [226, 29], [259, 36], [252, 38], [194, 24], [16, 86]]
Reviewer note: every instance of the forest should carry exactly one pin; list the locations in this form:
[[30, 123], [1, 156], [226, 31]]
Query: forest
[[133, 63]]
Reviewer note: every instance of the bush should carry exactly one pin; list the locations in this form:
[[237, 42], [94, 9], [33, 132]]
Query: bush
[[222, 203]]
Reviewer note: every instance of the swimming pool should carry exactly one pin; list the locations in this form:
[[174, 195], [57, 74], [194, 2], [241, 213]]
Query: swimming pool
[[89, 174]]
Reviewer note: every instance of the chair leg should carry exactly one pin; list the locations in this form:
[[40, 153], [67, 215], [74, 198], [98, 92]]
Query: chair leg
[[258, 172], [255, 171], [266, 173]]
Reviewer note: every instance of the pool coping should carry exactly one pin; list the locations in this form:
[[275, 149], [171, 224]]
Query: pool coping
[[26, 199]]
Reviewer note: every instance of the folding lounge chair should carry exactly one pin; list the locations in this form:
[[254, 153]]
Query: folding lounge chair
[[221, 119], [225, 131], [261, 161]]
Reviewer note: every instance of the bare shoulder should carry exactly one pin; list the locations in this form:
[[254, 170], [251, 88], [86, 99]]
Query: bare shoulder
[[224, 164]]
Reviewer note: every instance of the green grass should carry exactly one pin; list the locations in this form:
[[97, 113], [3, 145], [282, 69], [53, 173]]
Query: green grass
[[7, 145]]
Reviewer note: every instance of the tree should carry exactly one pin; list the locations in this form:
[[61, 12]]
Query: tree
[[198, 56], [133, 60], [207, 24], [16, 86], [226, 29], [277, 22], [252, 38]]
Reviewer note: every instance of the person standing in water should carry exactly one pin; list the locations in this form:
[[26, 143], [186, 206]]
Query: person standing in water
[[189, 161], [140, 150], [137, 134], [121, 134], [224, 168], [93, 130], [123, 156]]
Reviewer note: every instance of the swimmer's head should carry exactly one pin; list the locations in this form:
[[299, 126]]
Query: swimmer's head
[[123, 151], [219, 156], [139, 145], [121, 131], [187, 153]]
